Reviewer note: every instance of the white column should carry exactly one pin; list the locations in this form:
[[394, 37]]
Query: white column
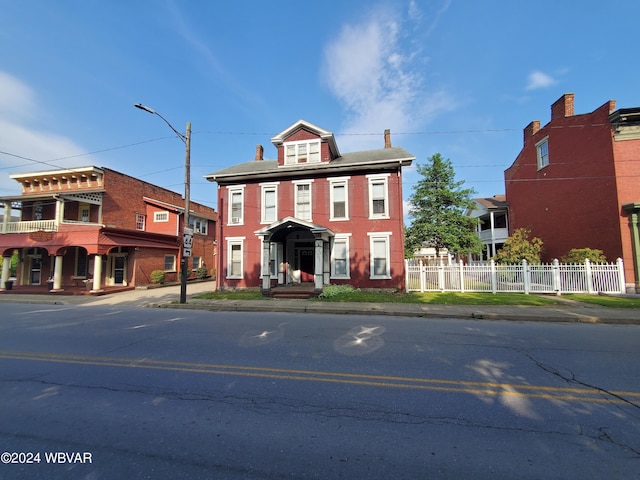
[[97, 272], [266, 271], [6, 270], [57, 273], [318, 265], [327, 263], [5, 220]]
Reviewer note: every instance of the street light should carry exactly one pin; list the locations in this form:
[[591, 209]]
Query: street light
[[186, 252]]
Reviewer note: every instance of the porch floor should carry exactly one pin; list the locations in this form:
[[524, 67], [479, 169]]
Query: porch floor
[[68, 290]]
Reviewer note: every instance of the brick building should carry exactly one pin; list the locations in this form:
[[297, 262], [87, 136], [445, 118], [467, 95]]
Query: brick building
[[92, 224], [313, 216], [575, 183]]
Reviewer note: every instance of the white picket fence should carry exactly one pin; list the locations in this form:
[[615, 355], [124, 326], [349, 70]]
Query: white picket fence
[[490, 277]]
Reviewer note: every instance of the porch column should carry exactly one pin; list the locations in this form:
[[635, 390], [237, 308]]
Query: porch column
[[59, 211], [6, 270], [5, 221], [97, 272], [266, 271], [319, 265], [327, 262], [57, 273], [633, 209]]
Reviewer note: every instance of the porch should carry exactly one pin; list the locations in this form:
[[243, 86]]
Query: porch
[[68, 290]]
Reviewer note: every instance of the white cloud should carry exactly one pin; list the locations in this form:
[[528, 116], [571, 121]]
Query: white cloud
[[18, 107], [538, 79], [379, 80]]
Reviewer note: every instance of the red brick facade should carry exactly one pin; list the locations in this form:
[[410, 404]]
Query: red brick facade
[[324, 239], [576, 199], [101, 225]]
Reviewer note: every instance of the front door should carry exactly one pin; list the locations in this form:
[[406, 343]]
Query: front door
[[117, 274], [35, 275], [306, 263]]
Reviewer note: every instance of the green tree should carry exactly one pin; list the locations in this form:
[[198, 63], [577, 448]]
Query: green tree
[[520, 247], [437, 210]]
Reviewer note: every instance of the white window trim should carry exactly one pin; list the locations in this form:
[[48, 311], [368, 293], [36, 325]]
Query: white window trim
[[230, 242], [230, 191], [160, 217], [273, 254], [295, 198], [264, 188], [386, 236], [379, 178], [297, 145], [173, 268], [141, 220], [340, 181], [538, 156], [346, 238]]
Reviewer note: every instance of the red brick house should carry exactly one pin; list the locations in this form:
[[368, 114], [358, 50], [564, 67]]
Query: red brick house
[[312, 216], [95, 224], [575, 183]]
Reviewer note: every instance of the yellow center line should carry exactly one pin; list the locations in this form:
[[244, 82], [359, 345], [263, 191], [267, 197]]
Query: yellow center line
[[385, 381]]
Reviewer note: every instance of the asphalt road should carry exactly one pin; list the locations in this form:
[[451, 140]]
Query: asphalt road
[[105, 392]]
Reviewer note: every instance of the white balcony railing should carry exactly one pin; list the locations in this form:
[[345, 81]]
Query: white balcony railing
[[31, 226]]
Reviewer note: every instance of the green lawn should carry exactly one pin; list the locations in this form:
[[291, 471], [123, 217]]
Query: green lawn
[[605, 301]]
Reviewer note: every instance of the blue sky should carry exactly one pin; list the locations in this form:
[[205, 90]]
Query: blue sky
[[457, 77]]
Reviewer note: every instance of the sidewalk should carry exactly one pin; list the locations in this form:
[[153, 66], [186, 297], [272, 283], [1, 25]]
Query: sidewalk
[[168, 297]]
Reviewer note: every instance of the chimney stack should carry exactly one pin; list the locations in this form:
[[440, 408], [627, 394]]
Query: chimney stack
[[259, 153], [563, 107], [387, 138], [531, 129]]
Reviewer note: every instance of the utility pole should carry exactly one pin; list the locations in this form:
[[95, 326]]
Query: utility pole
[[187, 232]]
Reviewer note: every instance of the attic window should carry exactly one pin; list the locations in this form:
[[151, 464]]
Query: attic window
[[302, 152]]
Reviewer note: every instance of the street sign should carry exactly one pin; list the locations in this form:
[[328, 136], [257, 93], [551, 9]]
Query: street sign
[[186, 252]]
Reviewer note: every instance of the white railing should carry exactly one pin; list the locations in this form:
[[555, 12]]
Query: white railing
[[490, 277], [28, 227]]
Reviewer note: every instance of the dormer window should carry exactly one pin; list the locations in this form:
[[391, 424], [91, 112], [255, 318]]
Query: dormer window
[[302, 152]]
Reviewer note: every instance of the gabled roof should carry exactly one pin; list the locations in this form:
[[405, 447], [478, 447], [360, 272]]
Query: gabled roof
[[493, 203], [280, 138]]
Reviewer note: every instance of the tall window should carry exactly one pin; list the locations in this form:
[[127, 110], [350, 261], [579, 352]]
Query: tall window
[[236, 205], [542, 148], [378, 196], [83, 214], [140, 221], [339, 199], [169, 263], [340, 257], [303, 201], [269, 203], [302, 152], [234, 260], [379, 252], [37, 211], [81, 262]]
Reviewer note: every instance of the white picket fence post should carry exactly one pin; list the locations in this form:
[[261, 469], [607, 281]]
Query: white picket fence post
[[623, 286], [526, 277]]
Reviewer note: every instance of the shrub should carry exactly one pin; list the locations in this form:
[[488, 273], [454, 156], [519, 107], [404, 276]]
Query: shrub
[[519, 247], [202, 272], [331, 291], [579, 255], [157, 276], [213, 273]]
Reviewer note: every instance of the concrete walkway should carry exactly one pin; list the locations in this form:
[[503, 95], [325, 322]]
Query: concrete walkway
[[168, 297]]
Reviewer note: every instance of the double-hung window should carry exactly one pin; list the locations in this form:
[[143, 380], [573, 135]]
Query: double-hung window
[[235, 264], [140, 221], [379, 255], [542, 151], [339, 198], [269, 202], [340, 256], [236, 205], [302, 152], [303, 200], [378, 196]]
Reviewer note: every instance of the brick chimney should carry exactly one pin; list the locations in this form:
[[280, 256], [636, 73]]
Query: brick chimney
[[259, 153], [387, 138], [531, 129], [563, 107]]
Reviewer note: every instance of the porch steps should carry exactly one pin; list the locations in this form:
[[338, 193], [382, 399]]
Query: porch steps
[[294, 291]]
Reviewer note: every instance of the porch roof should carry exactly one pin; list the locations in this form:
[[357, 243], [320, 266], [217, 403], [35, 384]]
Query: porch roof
[[291, 223]]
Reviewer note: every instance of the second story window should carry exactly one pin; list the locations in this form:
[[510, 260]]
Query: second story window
[[37, 211], [159, 217], [303, 201], [236, 205], [339, 199], [378, 196], [302, 152], [140, 221], [542, 149], [269, 203], [84, 213], [199, 225]]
